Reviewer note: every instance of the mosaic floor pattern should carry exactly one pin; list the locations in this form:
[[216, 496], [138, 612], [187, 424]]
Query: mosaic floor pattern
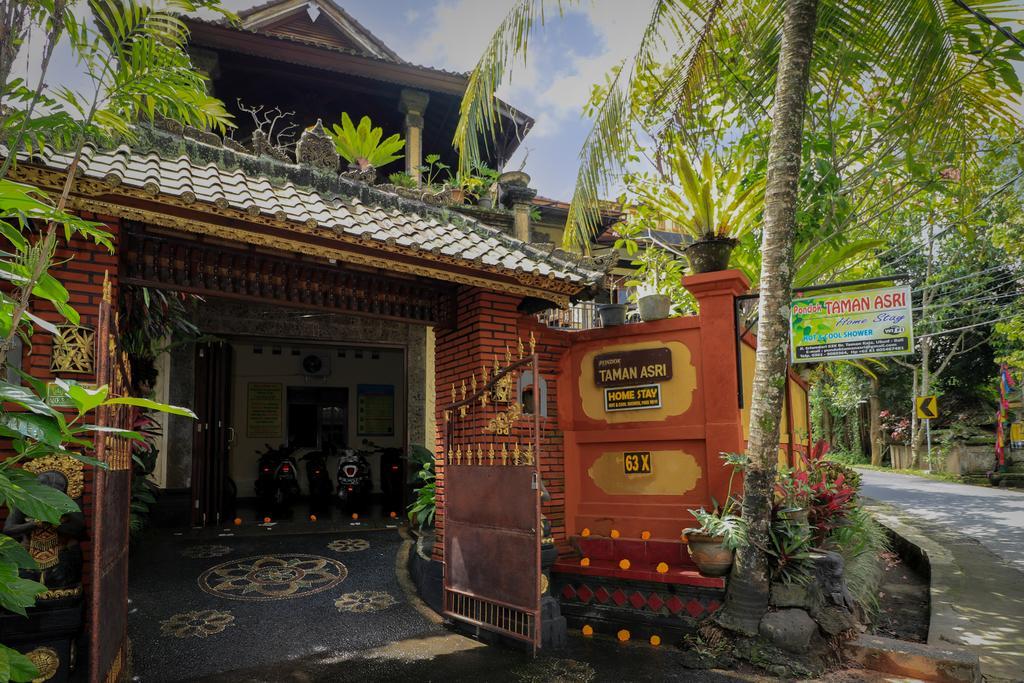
[[198, 609]]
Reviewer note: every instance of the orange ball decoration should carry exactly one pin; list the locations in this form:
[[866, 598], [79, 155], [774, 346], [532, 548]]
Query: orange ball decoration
[[266, 520], [394, 515], [662, 568], [622, 635], [615, 533], [238, 521], [585, 562], [623, 564], [312, 518], [655, 641], [355, 515], [588, 630], [645, 535], [585, 532]]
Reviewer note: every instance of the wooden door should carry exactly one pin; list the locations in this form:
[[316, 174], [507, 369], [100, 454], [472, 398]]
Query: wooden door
[[210, 439]]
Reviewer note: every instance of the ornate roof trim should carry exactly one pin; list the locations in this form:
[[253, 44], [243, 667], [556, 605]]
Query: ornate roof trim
[[186, 173]]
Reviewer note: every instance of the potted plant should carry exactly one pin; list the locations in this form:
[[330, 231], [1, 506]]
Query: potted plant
[[477, 184], [362, 146], [657, 273], [713, 543], [437, 179], [793, 493], [714, 207]]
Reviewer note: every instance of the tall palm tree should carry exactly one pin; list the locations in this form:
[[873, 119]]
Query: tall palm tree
[[947, 69]]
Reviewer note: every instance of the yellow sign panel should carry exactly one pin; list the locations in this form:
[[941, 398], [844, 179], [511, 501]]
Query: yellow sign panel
[[673, 473], [632, 398], [927, 407], [1017, 432]]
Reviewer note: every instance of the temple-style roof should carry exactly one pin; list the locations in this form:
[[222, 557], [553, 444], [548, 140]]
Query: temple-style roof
[[213, 179]]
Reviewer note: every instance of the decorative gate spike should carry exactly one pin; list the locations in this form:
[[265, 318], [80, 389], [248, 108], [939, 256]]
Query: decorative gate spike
[[508, 355], [504, 454], [479, 454], [515, 454], [458, 455], [490, 454], [472, 383], [533, 343], [463, 390], [453, 392], [485, 377], [528, 454], [519, 342], [451, 455]]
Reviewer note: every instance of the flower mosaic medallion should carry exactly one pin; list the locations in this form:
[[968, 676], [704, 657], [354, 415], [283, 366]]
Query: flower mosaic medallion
[[364, 601], [272, 577], [349, 545], [206, 551], [199, 624]]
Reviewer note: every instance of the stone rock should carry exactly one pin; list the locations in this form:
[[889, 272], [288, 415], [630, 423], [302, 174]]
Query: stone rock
[[316, 148], [833, 619], [789, 595], [789, 629]]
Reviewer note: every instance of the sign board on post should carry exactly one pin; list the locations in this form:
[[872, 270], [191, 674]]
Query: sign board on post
[[927, 407], [862, 324]]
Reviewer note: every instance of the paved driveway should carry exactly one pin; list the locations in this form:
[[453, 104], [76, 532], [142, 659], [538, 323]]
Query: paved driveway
[[992, 516]]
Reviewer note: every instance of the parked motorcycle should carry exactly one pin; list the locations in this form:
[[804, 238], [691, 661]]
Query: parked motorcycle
[[277, 483], [319, 481], [355, 482]]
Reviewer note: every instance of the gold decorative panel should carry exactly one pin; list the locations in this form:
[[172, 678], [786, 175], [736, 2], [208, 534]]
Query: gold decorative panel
[[74, 350], [673, 473]]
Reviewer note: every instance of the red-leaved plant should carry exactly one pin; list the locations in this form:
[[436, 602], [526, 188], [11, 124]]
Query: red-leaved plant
[[832, 494]]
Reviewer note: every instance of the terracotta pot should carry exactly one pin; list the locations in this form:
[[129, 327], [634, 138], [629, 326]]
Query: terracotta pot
[[708, 553], [654, 307], [612, 315], [710, 254]]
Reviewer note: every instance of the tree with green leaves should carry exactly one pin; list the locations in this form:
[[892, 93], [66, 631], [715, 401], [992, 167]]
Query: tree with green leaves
[[943, 72], [136, 67]]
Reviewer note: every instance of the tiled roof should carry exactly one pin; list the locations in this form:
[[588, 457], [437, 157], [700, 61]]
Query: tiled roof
[[259, 186]]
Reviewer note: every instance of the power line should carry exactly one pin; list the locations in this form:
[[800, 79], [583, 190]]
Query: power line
[[963, 277], [967, 301]]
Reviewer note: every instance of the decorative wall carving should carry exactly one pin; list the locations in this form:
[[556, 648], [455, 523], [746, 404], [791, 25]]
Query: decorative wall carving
[[74, 350]]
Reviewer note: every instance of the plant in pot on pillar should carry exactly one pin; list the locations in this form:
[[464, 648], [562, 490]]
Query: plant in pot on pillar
[[714, 206], [657, 275], [712, 544], [363, 148], [793, 493]]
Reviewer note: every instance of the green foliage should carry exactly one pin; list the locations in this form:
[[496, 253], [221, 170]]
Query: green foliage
[[435, 172], [861, 541], [478, 181], [422, 510], [730, 528], [713, 201], [136, 67], [402, 179], [789, 552], [362, 145]]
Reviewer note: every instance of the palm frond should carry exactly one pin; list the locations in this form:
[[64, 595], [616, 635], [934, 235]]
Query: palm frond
[[479, 115], [606, 146]]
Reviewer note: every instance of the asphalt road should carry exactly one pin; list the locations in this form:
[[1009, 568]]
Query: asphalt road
[[992, 516]]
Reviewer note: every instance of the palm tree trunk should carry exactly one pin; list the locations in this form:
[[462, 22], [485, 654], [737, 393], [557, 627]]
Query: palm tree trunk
[[747, 597]]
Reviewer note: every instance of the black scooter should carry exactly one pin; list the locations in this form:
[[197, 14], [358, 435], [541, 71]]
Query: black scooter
[[355, 483], [277, 483], [319, 481]]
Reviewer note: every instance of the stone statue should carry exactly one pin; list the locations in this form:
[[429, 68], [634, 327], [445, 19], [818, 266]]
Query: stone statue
[[55, 548]]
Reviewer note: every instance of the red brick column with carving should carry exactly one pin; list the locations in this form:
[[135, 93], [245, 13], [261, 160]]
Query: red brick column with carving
[[485, 323]]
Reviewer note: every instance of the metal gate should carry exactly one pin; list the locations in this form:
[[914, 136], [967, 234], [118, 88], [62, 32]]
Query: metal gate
[[108, 605], [492, 514]]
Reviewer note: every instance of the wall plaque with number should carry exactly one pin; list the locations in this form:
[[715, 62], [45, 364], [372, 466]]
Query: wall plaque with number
[[637, 462]]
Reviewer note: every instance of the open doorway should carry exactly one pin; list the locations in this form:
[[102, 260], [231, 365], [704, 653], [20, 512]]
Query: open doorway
[[306, 431]]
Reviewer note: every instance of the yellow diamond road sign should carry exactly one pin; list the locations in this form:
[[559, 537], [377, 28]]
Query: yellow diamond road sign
[[927, 407]]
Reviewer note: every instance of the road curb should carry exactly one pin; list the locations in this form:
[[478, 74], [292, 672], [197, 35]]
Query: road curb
[[952, 660]]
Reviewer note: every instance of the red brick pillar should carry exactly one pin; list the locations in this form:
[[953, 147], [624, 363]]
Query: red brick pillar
[[719, 379]]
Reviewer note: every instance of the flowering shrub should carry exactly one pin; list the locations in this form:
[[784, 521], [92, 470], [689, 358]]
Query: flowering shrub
[[897, 428]]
